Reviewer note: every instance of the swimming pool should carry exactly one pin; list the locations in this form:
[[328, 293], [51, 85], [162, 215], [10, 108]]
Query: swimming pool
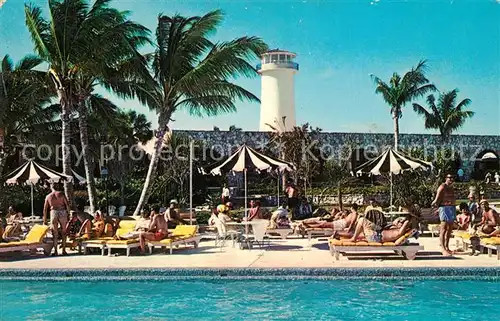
[[323, 295]]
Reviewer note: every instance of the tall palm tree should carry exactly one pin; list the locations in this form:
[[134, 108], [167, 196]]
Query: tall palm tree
[[402, 90], [84, 45], [447, 116], [26, 115], [191, 72]]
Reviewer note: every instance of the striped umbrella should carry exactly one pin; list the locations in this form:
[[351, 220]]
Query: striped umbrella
[[391, 162], [32, 173], [245, 159], [78, 178]]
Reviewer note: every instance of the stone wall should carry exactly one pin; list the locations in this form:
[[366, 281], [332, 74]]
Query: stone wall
[[469, 146]]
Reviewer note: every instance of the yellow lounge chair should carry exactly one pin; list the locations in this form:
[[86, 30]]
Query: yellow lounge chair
[[124, 228], [99, 242], [463, 239], [182, 234], [32, 242], [400, 246], [492, 243]]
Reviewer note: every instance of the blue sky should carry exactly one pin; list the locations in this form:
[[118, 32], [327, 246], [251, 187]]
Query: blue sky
[[339, 44]]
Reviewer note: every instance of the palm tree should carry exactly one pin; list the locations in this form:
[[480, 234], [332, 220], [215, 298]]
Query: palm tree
[[402, 90], [191, 72], [84, 46], [447, 116], [26, 115]]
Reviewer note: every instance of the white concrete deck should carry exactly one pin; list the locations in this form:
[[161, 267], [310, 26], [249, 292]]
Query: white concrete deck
[[294, 252]]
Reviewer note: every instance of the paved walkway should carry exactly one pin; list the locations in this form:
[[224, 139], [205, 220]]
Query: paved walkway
[[290, 253]]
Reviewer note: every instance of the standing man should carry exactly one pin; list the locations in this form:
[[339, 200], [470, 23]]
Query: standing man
[[445, 200], [57, 203], [226, 194]]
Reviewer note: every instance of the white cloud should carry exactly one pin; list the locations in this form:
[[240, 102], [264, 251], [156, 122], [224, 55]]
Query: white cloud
[[2, 2]]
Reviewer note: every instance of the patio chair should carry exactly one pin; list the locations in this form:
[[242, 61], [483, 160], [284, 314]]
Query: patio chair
[[121, 210], [224, 234], [258, 234]]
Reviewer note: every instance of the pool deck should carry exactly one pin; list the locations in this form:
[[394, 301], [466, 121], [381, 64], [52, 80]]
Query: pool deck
[[290, 253]]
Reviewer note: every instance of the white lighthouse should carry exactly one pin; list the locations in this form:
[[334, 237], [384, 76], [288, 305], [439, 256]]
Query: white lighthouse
[[277, 101]]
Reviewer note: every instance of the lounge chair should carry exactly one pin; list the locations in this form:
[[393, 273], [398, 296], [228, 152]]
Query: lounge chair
[[99, 242], [492, 243], [182, 234], [282, 232], [401, 246], [318, 231], [125, 227], [32, 242]]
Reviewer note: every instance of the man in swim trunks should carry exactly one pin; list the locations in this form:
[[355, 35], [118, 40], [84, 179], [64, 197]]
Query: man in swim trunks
[[371, 229], [157, 231], [445, 199], [490, 222], [57, 203]]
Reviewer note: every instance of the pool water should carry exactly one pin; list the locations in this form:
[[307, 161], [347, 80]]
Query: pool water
[[360, 299]]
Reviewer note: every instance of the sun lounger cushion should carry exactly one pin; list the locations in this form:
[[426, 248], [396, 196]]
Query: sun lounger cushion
[[465, 235], [319, 229], [399, 241], [405, 237], [36, 234], [125, 227], [122, 242], [491, 241], [185, 230], [18, 243], [99, 240]]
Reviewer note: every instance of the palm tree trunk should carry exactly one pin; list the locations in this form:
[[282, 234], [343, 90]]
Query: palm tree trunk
[[66, 145], [87, 160], [153, 165], [3, 159], [395, 117]]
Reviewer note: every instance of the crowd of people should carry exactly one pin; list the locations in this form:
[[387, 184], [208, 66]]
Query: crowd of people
[[370, 225]]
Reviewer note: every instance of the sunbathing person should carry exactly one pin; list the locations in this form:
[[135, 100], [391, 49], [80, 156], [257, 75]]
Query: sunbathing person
[[343, 224], [371, 229], [464, 218], [157, 230], [490, 222], [13, 228], [93, 229]]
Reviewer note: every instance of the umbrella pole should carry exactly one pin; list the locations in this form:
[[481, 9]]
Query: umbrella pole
[[278, 189], [32, 211], [246, 213], [191, 183], [391, 191]]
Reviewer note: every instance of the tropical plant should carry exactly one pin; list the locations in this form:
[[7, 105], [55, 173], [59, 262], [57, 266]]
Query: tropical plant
[[83, 45], [26, 115], [191, 72], [402, 90], [300, 147], [447, 116]]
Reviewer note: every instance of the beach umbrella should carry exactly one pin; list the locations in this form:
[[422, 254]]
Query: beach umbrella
[[32, 173], [247, 159], [78, 178], [391, 162]]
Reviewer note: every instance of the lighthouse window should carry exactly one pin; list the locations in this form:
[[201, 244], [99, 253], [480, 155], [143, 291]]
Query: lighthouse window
[[274, 58], [288, 58], [282, 58], [267, 59]]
